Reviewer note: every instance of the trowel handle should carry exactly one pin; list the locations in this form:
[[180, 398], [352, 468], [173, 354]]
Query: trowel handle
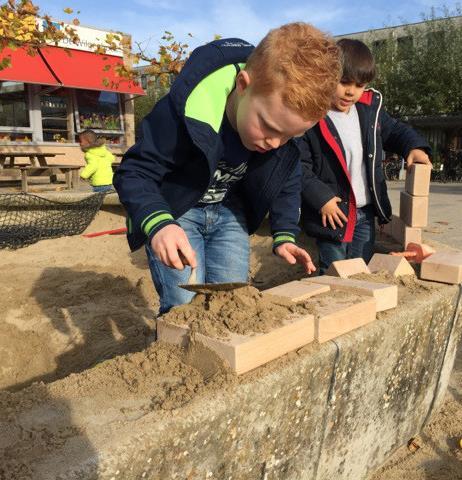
[[193, 277]]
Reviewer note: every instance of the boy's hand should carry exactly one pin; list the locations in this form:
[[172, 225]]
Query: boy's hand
[[293, 254], [331, 213], [171, 242], [418, 156]]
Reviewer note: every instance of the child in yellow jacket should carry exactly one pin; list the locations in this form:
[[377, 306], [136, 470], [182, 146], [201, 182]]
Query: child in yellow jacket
[[99, 161]]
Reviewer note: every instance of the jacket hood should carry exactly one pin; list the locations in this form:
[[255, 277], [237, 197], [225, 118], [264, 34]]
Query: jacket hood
[[100, 151], [203, 85], [368, 96]]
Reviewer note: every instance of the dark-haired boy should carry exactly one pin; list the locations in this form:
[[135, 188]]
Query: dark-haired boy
[[344, 187]]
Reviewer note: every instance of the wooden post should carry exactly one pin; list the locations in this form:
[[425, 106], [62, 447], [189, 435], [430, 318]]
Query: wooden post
[[24, 180]]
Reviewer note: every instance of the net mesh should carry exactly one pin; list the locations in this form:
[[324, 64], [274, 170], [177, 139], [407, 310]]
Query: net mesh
[[26, 219]]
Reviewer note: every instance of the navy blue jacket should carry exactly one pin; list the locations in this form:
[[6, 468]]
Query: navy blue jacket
[[325, 173], [169, 169]]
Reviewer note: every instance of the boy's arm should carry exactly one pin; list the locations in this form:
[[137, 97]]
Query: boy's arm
[[138, 181], [315, 192], [144, 165], [398, 137], [90, 167], [284, 216]]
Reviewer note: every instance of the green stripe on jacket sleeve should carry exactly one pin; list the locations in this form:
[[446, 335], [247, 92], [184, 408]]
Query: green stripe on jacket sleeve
[[154, 220]]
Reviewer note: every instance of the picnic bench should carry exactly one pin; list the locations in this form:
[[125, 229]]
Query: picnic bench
[[39, 166], [71, 174], [37, 159]]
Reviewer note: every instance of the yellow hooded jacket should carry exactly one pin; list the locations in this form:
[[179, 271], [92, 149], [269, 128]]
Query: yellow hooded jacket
[[98, 168]]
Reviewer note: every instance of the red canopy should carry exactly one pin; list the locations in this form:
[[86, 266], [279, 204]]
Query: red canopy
[[26, 68], [67, 68], [88, 70]]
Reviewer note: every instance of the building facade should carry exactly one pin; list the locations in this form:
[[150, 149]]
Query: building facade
[[47, 99]]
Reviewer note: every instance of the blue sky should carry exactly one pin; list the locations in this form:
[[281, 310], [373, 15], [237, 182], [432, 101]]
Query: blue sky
[[147, 19]]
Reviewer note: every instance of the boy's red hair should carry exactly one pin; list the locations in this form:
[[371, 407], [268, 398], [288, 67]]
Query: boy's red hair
[[302, 63]]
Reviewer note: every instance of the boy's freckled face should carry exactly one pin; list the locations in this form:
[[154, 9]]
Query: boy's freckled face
[[346, 95], [264, 122]]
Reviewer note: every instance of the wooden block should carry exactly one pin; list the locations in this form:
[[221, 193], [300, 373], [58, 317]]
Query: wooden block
[[413, 210], [385, 295], [346, 268], [397, 266], [244, 353], [443, 267], [339, 317], [418, 180], [297, 291], [403, 233]]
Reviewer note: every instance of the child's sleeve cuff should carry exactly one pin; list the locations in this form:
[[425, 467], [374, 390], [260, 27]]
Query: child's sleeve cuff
[[282, 237], [155, 222]]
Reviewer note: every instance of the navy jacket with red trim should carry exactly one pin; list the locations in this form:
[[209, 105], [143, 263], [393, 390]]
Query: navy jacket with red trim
[[325, 173]]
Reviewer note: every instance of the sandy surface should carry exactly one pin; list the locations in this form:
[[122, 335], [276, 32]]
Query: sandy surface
[[68, 304], [72, 302]]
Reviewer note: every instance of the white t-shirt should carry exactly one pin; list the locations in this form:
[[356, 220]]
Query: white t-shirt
[[349, 129]]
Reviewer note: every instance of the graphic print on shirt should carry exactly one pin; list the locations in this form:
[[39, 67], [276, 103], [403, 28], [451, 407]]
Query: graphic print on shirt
[[223, 178]]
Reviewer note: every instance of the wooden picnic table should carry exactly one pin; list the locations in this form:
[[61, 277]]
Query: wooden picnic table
[[37, 159], [71, 173]]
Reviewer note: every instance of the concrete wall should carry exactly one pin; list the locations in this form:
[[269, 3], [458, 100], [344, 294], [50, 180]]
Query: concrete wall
[[331, 411]]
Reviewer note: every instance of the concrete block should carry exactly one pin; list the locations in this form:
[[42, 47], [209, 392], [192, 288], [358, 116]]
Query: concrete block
[[418, 180], [413, 210], [338, 317], [297, 291], [397, 266], [244, 352], [443, 267], [346, 268], [403, 233], [385, 295]]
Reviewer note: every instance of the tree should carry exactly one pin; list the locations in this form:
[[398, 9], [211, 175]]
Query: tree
[[419, 72], [22, 25]]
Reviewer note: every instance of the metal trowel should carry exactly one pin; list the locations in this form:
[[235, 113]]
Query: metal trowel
[[193, 286]]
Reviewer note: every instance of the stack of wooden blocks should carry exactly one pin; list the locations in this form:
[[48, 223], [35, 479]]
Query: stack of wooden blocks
[[332, 316], [413, 211]]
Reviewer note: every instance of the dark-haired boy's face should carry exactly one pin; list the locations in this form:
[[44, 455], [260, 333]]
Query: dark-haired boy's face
[[346, 95]]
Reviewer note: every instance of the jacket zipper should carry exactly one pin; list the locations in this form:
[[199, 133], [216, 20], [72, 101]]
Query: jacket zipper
[[375, 155]]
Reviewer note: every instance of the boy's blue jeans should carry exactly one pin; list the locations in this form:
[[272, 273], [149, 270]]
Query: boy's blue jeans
[[218, 234], [361, 246], [102, 188]]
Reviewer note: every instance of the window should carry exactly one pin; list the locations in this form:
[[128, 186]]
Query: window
[[56, 117], [379, 46], [14, 108], [435, 38], [404, 46], [98, 111]]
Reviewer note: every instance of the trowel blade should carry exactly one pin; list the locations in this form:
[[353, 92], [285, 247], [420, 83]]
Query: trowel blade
[[212, 287]]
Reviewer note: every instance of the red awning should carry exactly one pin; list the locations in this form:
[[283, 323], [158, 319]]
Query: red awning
[[87, 70], [26, 68]]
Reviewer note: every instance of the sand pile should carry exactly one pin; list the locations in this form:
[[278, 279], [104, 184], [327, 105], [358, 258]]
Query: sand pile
[[44, 418], [243, 311], [408, 285]]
